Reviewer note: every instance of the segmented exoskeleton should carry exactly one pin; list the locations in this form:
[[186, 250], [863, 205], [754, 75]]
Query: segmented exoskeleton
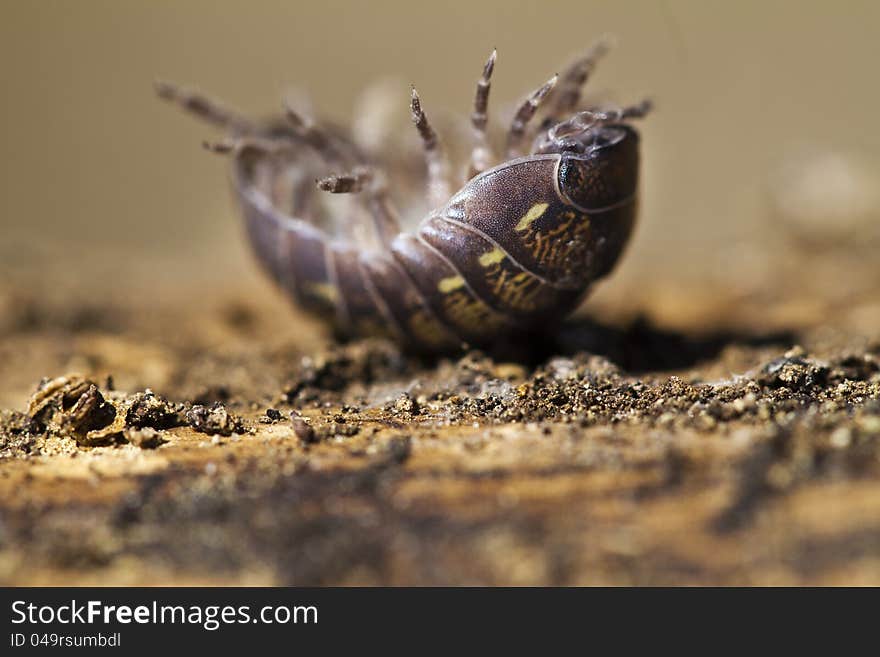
[[518, 245]]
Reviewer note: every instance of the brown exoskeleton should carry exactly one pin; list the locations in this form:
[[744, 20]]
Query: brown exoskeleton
[[518, 245]]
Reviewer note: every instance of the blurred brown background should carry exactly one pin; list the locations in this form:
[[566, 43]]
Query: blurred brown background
[[90, 156]]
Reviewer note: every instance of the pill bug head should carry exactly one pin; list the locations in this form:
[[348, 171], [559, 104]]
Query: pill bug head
[[597, 179], [599, 166]]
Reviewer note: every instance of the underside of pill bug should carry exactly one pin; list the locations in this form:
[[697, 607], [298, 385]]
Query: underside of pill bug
[[517, 247]]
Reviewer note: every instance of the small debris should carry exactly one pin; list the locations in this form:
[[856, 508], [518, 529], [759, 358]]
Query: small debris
[[216, 420], [793, 372], [364, 361], [149, 410], [406, 404], [302, 429], [73, 406], [271, 416], [146, 438], [17, 433]]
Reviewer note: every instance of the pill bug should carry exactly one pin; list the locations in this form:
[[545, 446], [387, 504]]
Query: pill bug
[[517, 247]]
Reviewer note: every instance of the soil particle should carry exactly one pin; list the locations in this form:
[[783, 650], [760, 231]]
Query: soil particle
[[214, 420], [303, 429], [73, 406], [146, 409], [146, 438], [334, 370], [17, 433], [794, 373], [405, 405]]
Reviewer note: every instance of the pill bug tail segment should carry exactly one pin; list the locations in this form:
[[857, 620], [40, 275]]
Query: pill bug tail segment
[[568, 93], [205, 108], [435, 158], [481, 154], [524, 114], [360, 293]]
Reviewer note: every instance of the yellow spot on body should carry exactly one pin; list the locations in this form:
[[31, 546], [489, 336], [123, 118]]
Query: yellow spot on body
[[534, 212], [521, 292], [449, 284], [324, 291], [492, 257], [470, 314]]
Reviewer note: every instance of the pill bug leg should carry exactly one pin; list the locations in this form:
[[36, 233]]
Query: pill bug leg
[[270, 147], [361, 177], [205, 108], [346, 183], [481, 155], [524, 114], [567, 95], [435, 158], [331, 150]]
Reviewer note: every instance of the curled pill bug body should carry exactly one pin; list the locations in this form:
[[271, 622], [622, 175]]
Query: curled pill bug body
[[517, 247]]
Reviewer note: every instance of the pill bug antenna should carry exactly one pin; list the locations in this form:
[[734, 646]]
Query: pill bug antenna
[[586, 119], [614, 114]]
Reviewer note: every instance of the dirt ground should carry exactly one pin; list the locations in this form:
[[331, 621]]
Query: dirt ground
[[703, 430]]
